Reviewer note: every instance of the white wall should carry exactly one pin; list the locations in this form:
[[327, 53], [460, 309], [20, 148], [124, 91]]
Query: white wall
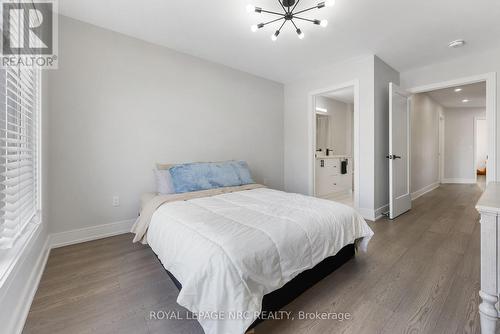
[[373, 76], [298, 122], [339, 116], [470, 65], [118, 105], [481, 143], [425, 114], [459, 159]]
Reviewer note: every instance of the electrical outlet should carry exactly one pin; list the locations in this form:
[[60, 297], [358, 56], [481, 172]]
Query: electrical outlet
[[116, 200]]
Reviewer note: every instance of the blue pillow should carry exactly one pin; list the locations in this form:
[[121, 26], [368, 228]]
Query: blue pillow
[[209, 175], [241, 168]]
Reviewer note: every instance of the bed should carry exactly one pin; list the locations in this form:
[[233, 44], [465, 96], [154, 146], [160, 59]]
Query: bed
[[237, 251]]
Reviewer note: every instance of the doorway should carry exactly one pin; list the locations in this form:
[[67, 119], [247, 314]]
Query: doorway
[[334, 120], [446, 120]]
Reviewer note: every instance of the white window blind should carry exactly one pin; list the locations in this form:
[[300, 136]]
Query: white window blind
[[19, 145]]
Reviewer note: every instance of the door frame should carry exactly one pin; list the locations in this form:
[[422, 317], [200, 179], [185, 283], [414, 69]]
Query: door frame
[[474, 165], [312, 135], [491, 110], [441, 146]]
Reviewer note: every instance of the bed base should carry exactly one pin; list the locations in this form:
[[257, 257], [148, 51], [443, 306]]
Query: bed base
[[278, 299]]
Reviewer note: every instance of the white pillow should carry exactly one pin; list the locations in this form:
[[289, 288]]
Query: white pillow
[[164, 184]]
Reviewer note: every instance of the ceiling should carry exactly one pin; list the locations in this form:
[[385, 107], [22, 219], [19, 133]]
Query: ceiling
[[448, 98], [405, 34], [345, 95]]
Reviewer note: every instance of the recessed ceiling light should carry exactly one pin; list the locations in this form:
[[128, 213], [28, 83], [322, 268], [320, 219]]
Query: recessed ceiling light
[[458, 43], [465, 100], [458, 90]]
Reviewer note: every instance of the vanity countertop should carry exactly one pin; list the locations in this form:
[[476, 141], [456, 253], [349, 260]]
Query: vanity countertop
[[322, 157]]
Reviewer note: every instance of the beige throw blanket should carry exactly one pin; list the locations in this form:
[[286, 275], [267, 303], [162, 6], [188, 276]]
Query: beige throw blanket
[[141, 225]]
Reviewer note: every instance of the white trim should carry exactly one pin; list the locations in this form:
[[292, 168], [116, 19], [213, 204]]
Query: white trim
[[441, 129], [474, 165], [461, 181], [424, 190], [23, 280], [312, 135], [90, 233], [26, 300], [491, 111], [379, 213], [373, 215]]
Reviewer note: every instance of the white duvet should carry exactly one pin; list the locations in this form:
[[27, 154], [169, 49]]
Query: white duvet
[[229, 250]]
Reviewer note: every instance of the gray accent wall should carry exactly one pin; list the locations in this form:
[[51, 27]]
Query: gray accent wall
[[118, 105]]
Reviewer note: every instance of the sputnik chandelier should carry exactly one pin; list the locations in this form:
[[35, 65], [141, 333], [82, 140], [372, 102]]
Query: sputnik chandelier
[[288, 14]]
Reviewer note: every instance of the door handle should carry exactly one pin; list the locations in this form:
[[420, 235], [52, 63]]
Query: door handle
[[393, 157]]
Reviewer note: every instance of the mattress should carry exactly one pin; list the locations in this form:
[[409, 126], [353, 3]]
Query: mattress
[[230, 250]]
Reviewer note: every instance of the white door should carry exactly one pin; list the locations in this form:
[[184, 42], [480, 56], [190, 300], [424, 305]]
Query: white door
[[399, 151]]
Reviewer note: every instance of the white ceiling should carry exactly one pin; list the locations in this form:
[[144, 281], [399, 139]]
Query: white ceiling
[[406, 34], [475, 93], [345, 95]]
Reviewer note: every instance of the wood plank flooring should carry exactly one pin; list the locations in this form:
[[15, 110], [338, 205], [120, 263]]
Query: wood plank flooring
[[420, 275]]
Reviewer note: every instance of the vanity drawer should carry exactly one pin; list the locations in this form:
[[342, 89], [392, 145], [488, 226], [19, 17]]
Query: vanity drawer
[[330, 167]]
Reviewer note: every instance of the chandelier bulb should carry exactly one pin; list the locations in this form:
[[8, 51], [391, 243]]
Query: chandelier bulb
[[274, 36], [300, 34], [323, 23], [330, 3]]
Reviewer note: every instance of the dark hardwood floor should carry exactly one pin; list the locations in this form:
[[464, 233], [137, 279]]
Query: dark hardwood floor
[[420, 275]]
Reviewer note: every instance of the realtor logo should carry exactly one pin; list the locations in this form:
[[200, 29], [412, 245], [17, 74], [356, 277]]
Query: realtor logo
[[29, 34]]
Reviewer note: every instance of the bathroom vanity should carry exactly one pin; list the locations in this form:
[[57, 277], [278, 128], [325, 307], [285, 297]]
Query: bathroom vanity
[[329, 177]]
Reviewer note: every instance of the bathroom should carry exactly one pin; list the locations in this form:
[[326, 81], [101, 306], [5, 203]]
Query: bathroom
[[334, 163]]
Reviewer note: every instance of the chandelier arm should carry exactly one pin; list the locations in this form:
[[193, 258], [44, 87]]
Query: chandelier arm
[[304, 19], [282, 25], [276, 20], [305, 10], [274, 13], [295, 6], [294, 25], [281, 4]]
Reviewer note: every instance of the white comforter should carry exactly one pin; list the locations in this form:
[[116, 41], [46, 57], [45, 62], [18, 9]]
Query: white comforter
[[229, 250]]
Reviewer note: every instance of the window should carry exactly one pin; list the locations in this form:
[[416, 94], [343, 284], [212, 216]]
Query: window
[[19, 145]]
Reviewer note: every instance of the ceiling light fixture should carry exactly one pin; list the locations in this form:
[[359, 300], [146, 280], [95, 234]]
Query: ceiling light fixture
[[289, 14], [458, 90], [458, 43], [465, 100], [323, 110]]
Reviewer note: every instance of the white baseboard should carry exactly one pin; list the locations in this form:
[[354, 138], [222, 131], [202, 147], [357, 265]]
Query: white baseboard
[[19, 288], [373, 215], [416, 194], [32, 287], [90, 233], [379, 213], [464, 181]]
